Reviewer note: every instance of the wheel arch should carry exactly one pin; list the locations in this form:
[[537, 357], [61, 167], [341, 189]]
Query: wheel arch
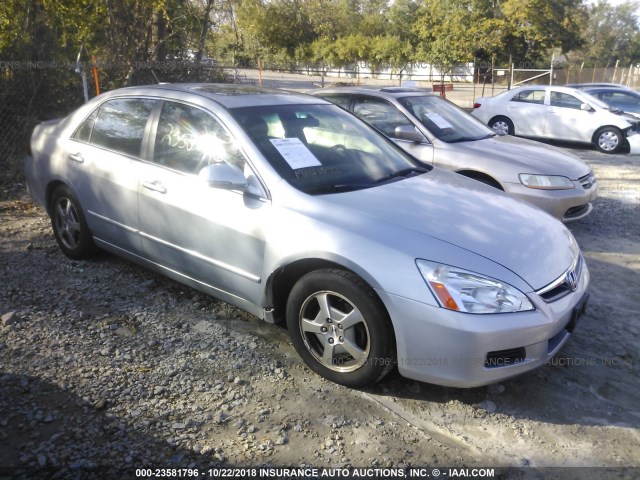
[[282, 280], [481, 177], [51, 187], [502, 117], [624, 142], [599, 130]]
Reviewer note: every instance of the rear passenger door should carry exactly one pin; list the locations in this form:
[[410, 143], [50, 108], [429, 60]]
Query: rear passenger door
[[105, 155], [528, 111]]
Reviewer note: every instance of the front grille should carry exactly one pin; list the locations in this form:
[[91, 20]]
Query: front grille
[[587, 181], [505, 358], [563, 285]]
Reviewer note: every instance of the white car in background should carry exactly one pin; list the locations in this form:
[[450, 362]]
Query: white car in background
[[558, 113]]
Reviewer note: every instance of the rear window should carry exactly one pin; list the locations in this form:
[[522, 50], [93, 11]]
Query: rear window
[[117, 125]]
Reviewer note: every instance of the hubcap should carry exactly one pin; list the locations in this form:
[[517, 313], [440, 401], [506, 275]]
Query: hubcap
[[501, 128], [608, 141], [67, 223], [334, 331]]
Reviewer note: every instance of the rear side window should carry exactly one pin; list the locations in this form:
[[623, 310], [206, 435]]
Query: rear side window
[[118, 125], [530, 96], [83, 133], [341, 99]]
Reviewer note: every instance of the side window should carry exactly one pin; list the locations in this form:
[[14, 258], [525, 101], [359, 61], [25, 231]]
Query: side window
[[342, 100], [189, 139], [380, 114], [564, 100], [83, 133], [530, 96], [120, 124], [622, 100]]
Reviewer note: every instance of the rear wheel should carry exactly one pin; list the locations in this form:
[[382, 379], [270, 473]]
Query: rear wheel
[[502, 126], [609, 140], [340, 328], [69, 225]]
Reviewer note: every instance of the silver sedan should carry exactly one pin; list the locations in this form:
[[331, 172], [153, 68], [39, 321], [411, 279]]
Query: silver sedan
[[293, 209], [437, 132]]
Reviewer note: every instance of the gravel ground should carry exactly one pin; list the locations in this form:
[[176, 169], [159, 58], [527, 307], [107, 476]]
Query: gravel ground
[[106, 368]]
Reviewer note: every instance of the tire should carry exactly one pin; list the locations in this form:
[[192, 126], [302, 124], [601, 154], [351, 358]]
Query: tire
[[340, 328], [608, 140], [502, 126], [69, 225]]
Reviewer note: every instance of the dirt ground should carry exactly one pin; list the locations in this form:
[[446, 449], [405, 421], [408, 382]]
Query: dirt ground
[[106, 368]]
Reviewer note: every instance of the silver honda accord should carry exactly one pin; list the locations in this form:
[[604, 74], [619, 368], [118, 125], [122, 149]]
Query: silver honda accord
[[295, 210]]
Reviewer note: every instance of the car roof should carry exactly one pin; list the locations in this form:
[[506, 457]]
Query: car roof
[[596, 84], [612, 89], [227, 95], [557, 88], [384, 92]]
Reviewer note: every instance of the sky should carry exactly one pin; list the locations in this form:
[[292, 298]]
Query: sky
[[614, 3]]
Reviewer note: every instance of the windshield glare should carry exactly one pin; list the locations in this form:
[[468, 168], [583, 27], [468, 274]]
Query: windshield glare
[[323, 149], [444, 120]]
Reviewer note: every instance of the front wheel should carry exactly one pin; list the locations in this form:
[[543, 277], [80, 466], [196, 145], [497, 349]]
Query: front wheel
[[609, 140], [340, 328], [502, 126], [69, 225]]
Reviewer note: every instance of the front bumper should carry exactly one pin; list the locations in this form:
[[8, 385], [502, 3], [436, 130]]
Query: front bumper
[[634, 144], [565, 205], [456, 349]]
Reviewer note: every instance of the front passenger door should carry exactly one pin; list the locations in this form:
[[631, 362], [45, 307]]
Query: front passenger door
[[567, 120], [211, 235]]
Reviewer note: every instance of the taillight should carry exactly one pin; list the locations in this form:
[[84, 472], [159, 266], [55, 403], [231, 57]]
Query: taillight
[[477, 105]]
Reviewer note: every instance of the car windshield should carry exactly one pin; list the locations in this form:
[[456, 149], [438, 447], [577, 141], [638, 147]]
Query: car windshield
[[323, 149], [444, 120]]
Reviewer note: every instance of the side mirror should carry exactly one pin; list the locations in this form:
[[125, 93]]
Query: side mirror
[[224, 176], [408, 132], [586, 107]]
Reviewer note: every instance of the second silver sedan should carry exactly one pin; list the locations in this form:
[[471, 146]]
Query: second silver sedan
[[438, 132]]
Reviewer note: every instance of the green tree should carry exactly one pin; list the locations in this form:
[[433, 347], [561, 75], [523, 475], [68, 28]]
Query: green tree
[[446, 32], [612, 34], [531, 28]]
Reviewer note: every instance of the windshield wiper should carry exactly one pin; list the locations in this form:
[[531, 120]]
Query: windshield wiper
[[341, 187], [405, 172], [471, 139]]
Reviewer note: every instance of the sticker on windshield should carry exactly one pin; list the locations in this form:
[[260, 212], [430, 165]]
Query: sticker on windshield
[[439, 120], [295, 153]]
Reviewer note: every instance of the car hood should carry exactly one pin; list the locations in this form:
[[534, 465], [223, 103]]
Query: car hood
[[527, 156], [464, 213]]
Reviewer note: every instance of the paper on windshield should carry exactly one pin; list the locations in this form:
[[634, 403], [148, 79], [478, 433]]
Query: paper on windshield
[[439, 120], [295, 153]]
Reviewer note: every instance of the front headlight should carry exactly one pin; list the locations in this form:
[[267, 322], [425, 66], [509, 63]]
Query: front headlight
[[546, 182], [458, 289]]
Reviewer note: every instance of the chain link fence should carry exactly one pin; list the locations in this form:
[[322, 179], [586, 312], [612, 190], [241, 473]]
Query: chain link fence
[[34, 92]]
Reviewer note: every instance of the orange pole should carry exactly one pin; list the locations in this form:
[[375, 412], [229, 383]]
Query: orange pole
[[95, 75]]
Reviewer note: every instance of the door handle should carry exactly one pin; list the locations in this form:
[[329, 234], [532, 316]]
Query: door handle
[[155, 186], [76, 157]]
